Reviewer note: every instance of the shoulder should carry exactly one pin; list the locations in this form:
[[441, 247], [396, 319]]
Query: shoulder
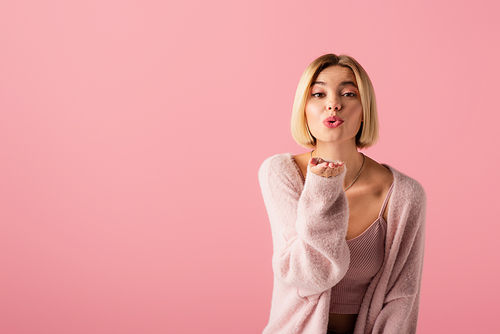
[[408, 198], [279, 167], [378, 178], [278, 162], [407, 186]]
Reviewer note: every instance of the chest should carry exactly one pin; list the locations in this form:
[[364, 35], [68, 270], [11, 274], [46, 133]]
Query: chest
[[364, 210]]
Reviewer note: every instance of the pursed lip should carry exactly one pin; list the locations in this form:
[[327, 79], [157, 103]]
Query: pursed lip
[[333, 121]]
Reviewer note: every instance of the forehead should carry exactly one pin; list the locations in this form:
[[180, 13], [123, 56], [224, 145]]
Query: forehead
[[336, 74]]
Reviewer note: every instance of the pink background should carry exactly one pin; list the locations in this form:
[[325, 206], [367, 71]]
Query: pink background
[[131, 133]]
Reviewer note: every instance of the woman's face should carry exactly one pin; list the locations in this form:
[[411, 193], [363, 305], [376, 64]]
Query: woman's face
[[333, 109]]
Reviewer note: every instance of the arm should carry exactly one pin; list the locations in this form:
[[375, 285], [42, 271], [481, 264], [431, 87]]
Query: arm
[[399, 313], [308, 226]]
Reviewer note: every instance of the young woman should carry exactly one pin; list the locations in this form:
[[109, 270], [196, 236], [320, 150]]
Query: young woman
[[348, 232]]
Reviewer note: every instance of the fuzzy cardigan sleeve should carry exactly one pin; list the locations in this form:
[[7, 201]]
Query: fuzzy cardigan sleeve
[[395, 303], [309, 224]]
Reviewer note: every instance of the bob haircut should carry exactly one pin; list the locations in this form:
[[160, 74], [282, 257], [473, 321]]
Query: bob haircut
[[368, 132]]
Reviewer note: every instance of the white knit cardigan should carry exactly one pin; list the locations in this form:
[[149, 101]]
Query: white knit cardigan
[[310, 254]]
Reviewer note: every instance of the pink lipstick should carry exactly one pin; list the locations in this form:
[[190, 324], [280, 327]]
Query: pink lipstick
[[333, 122]]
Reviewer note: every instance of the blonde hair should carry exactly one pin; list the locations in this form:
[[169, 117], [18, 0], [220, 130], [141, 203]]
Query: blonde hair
[[368, 132]]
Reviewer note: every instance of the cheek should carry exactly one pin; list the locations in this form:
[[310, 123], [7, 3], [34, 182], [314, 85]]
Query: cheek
[[358, 112], [308, 112], [312, 110], [310, 121], [311, 116]]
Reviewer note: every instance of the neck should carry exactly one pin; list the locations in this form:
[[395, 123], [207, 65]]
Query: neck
[[346, 152]]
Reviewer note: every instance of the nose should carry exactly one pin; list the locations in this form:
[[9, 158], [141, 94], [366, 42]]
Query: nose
[[334, 104]]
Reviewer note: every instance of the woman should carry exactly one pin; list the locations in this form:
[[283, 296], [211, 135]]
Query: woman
[[348, 232]]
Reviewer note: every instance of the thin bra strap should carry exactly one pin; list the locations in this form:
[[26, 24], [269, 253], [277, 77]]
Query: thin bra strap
[[386, 200]]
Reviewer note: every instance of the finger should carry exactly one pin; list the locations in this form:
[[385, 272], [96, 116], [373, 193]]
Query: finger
[[314, 161]]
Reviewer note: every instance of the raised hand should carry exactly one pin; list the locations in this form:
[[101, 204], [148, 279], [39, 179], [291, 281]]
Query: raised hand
[[325, 168]]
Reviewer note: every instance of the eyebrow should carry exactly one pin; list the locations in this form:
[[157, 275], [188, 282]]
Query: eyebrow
[[322, 83], [348, 83], [343, 83]]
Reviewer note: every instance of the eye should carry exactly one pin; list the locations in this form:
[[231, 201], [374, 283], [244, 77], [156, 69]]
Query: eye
[[318, 94], [349, 94]]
